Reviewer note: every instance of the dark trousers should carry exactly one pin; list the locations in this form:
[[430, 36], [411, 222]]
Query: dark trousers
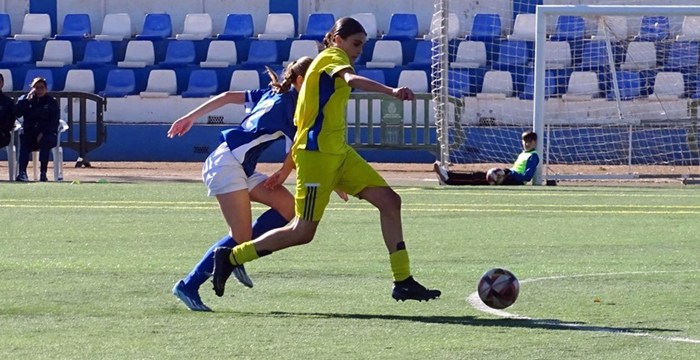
[[31, 141]]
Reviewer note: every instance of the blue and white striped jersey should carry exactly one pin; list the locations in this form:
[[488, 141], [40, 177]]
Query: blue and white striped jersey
[[271, 117]]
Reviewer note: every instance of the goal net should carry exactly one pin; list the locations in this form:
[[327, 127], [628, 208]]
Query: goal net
[[612, 91]]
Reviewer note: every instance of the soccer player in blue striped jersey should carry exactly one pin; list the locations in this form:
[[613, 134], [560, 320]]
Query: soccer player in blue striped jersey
[[229, 172], [324, 162]]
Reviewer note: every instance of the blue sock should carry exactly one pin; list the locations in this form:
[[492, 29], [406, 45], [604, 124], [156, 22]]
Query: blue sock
[[270, 219]]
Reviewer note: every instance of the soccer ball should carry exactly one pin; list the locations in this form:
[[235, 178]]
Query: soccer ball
[[495, 175], [498, 288]]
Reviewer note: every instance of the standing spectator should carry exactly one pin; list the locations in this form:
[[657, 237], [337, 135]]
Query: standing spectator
[[7, 115], [41, 119]]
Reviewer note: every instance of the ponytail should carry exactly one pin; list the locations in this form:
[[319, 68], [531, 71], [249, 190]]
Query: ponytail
[[293, 70]]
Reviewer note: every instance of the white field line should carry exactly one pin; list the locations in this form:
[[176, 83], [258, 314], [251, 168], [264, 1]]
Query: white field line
[[474, 300]]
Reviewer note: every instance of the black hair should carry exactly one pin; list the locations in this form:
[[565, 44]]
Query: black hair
[[344, 27], [529, 136], [294, 69]]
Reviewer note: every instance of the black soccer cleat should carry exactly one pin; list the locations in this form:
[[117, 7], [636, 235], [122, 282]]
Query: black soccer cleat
[[222, 269], [410, 289]]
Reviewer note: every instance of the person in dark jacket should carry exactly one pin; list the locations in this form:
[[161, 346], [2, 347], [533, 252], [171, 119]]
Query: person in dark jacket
[[7, 116], [41, 114]]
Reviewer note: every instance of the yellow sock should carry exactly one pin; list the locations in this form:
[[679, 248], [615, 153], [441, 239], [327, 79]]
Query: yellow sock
[[400, 266], [243, 253]]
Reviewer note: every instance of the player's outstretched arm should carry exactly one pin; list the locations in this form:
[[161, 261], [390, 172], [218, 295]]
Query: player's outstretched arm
[[360, 82], [184, 124]]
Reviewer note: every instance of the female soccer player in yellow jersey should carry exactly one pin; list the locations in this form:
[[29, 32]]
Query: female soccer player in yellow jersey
[[324, 162]]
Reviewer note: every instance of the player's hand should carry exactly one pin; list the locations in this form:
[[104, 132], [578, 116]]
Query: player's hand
[[276, 179], [403, 93], [342, 194], [180, 127]]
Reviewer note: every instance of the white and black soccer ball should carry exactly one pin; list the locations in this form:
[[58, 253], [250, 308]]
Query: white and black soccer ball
[[495, 176], [498, 288]]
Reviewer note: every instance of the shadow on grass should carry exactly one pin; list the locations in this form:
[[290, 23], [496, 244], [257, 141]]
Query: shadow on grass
[[548, 324]]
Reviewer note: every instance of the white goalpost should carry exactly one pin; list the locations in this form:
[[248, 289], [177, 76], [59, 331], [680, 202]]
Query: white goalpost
[[612, 91]]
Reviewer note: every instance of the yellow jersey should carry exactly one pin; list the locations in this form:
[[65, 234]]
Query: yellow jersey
[[320, 110]]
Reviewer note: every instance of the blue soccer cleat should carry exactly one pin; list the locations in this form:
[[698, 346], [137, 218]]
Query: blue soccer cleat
[[188, 297]]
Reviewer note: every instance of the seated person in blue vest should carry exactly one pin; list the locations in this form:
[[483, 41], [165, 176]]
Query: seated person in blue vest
[[40, 127], [520, 173]]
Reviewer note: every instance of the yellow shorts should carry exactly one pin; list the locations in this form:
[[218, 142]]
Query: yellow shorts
[[318, 174]]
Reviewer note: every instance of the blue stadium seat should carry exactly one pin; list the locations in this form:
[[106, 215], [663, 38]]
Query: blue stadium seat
[[682, 56], [654, 28], [464, 82], [262, 52], [237, 27], [629, 84], [317, 26], [47, 74], [156, 27], [569, 28], [402, 26], [594, 56], [374, 74], [5, 25], [485, 27], [552, 82], [422, 58], [120, 83], [513, 53], [202, 83], [75, 27], [179, 53], [97, 54], [17, 53]]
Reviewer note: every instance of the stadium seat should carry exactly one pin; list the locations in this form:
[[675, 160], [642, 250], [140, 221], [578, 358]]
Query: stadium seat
[[75, 27], [551, 85], [470, 55], [402, 26], [120, 83], [8, 83], [641, 55], [557, 55], [237, 27], [629, 85], [317, 26], [583, 85], [453, 26], [5, 26], [416, 80], [56, 153], [497, 84], [156, 27], [524, 28], [682, 56], [196, 27], [512, 53], [47, 74], [594, 56], [82, 80], [97, 54], [220, 54], [11, 149], [161, 83], [35, 27], [57, 53], [115, 27], [690, 29], [464, 82], [485, 27], [387, 54], [569, 28], [178, 54], [244, 80], [422, 56], [17, 53], [202, 83], [262, 52], [654, 28], [668, 86], [278, 27], [369, 22], [301, 48], [374, 74], [613, 28], [139, 54]]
